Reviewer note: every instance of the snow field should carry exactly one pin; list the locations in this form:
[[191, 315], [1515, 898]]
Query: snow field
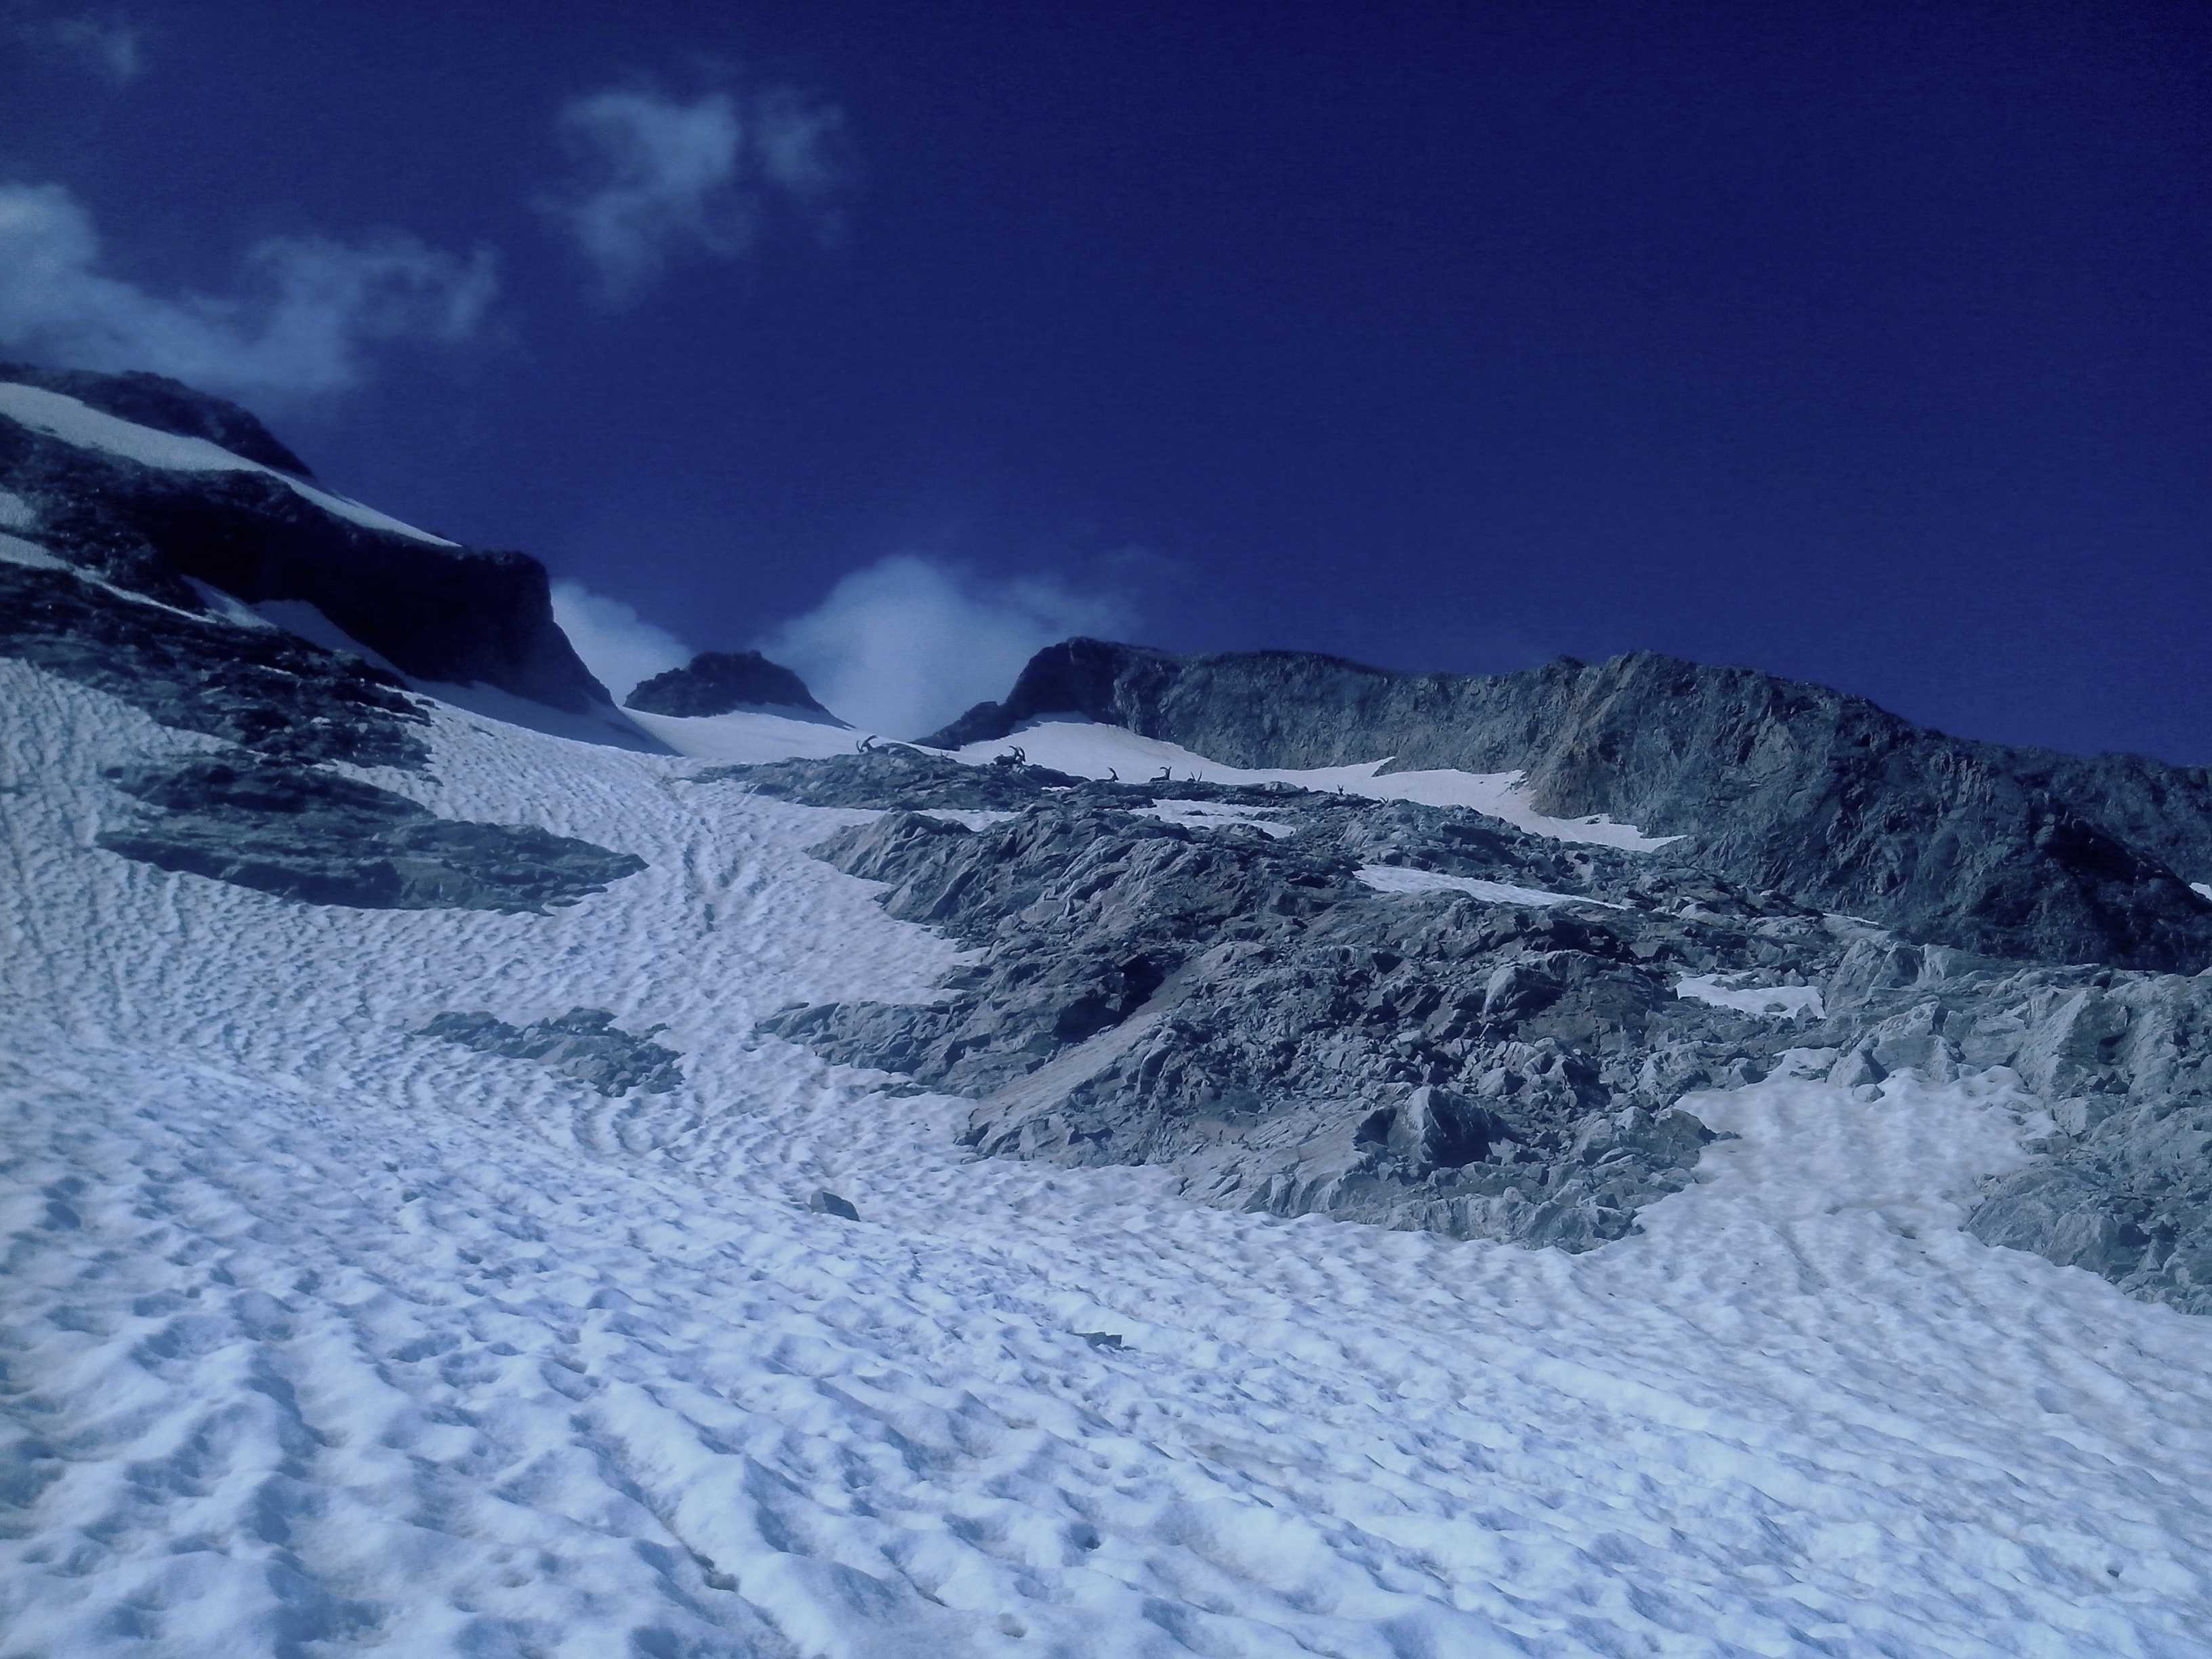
[[1090, 751], [319, 1338]]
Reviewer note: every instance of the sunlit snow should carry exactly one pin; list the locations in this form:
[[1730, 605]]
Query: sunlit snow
[[1092, 751], [1727, 991], [320, 1337], [1397, 878]]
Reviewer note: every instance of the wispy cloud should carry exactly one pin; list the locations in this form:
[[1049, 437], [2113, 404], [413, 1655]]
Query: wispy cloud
[[301, 319], [620, 648], [658, 181], [104, 44], [908, 644]]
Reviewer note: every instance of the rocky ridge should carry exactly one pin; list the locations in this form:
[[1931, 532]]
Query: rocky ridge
[[437, 611], [1779, 786]]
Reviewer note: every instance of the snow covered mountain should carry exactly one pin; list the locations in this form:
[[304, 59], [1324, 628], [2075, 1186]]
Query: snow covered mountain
[[1242, 1155]]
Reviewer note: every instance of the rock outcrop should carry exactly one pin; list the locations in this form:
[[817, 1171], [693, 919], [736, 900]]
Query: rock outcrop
[[438, 611], [1779, 786], [1424, 1017], [724, 682]]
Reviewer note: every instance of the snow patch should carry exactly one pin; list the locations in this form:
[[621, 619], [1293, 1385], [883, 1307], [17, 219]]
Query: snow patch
[[16, 513], [79, 424], [1729, 991], [1398, 878], [15, 550], [2202, 887], [1091, 749]]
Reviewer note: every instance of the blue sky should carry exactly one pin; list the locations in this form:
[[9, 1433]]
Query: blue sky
[[1863, 343]]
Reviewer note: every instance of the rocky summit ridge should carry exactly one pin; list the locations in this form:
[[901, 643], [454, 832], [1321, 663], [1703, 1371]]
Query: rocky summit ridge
[[1779, 785], [726, 683]]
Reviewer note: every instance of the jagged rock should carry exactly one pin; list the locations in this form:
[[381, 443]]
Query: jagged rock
[[324, 839], [828, 1203], [1245, 1011], [584, 1043], [1830, 800], [721, 682]]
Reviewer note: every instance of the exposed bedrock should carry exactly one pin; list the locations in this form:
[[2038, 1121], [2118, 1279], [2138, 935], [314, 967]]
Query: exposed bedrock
[[1240, 1004], [314, 835], [1248, 1011], [1777, 785], [259, 687], [584, 1044], [437, 611]]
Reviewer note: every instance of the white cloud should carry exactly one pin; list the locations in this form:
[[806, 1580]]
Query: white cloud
[[303, 312], [106, 45], [906, 645], [659, 179], [620, 648]]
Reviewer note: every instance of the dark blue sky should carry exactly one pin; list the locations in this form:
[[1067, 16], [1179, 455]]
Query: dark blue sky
[[1868, 344]]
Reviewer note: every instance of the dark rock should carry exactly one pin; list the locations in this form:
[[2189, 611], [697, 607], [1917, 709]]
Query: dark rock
[[584, 1043], [324, 838], [436, 611], [263, 689], [722, 682], [828, 1203]]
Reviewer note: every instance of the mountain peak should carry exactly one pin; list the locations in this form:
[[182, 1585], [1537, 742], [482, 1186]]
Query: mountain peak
[[723, 682]]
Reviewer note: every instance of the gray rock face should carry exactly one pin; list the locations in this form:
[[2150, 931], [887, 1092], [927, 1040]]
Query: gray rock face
[[1246, 1011], [584, 1044], [721, 682], [438, 612], [321, 838], [1779, 786]]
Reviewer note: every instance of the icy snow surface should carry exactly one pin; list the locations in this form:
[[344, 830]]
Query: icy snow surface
[[1397, 879], [2203, 887], [1090, 751], [1782, 999], [319, 1338], [16, 513], [75, 422], [16, 551], [746, 738]]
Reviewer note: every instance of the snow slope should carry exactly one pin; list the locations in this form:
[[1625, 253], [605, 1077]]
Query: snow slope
[[76, 422], [320, 1338], [1722, 991], [1091, 751]]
